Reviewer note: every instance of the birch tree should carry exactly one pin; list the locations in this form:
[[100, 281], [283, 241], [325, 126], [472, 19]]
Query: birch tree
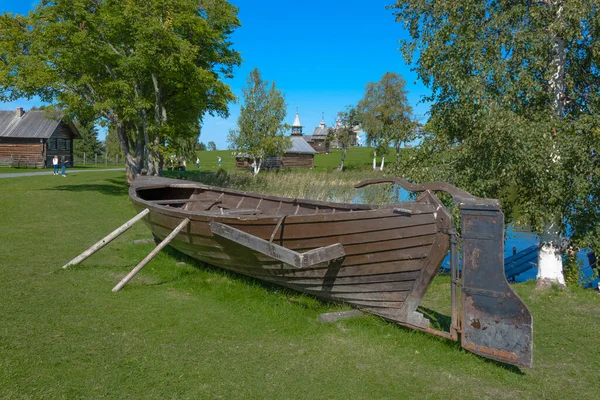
[[516, 110], [385, 115], [260, 129], [343, 133]]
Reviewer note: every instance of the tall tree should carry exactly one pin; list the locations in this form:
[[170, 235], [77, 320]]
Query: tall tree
[[152, 69], [184, 146], [516, 109], [385, 115], [261, 129], [212, 146], [89, 143], [344, 132], [112, 146]]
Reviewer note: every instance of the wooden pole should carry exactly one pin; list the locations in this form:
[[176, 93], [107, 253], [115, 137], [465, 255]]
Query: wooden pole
[[150, 256], [109, 238]]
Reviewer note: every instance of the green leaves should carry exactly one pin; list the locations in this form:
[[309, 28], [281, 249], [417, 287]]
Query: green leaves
[[497, 75], [384, 112]]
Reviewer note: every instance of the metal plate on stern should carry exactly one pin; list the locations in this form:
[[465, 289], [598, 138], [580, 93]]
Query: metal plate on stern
[[496, 322]]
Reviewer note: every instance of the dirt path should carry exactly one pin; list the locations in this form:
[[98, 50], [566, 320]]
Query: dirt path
[[69, 171]]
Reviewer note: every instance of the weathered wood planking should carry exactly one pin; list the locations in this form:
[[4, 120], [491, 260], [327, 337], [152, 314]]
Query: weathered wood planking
[[389, 256]]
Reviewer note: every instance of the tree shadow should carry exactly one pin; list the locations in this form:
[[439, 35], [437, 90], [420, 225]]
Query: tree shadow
[[438, 321], [110, 188], [290, 295]]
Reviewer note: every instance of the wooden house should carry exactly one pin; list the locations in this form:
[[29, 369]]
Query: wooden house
[[33, 138], [298, 155]]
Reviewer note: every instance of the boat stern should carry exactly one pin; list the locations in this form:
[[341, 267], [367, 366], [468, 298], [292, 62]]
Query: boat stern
[[496, 323]]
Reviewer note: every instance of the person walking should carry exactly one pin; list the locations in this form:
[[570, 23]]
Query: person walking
[[197, 162], [219, 161], [55, 164], [63, 170]]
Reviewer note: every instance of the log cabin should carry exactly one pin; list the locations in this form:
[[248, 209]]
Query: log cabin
[[299, 155], [33, 138]]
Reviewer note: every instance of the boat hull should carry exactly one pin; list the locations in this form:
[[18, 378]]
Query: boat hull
[[390, 256], [380, 259]]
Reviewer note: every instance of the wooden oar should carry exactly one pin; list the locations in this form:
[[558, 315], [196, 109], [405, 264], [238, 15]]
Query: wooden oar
[[106, 240], [150, 256]]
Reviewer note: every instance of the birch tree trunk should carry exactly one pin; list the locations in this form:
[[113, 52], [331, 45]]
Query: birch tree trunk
[[374, 160], [256, 166], [550, 267], [382, 161], [341, 166]]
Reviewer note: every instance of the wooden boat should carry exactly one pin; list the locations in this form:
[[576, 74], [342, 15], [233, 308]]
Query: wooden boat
[[379, 259]]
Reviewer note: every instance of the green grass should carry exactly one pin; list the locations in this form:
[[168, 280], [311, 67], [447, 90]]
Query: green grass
[[192, 331], [358, 158]]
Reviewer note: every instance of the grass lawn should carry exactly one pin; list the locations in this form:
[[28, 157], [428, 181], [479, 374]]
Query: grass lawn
[[192, 331], [357, 158]]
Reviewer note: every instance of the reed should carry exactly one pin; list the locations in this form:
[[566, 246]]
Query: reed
[[314, 185]]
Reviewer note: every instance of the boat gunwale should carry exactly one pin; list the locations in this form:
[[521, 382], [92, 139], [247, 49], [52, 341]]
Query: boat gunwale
[[138, 184]]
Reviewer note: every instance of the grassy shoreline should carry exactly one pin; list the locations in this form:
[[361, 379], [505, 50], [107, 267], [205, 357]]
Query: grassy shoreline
[[192, 331]]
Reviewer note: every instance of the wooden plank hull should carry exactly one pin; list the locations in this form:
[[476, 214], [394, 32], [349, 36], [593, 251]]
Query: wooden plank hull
[[380, 259], [387, 253]]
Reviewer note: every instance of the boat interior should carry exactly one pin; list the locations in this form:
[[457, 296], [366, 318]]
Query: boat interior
[[222, 201]]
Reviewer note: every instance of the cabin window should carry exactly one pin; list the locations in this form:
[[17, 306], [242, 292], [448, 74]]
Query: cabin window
[[62, 144], [52, 144], [68, 144]]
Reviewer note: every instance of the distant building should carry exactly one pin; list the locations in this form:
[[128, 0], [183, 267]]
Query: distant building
[[33, 138], [319, 140], [300, 154]]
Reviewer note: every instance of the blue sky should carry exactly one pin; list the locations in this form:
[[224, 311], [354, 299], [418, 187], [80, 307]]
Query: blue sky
[[321, 54]]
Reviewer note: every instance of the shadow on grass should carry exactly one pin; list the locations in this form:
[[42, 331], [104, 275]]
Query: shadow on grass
[[113, 187], [439, 321], [289, 294]]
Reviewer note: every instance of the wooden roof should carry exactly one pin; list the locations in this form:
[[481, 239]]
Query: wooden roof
[[32, 124], [300, 146], [320, 133]]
